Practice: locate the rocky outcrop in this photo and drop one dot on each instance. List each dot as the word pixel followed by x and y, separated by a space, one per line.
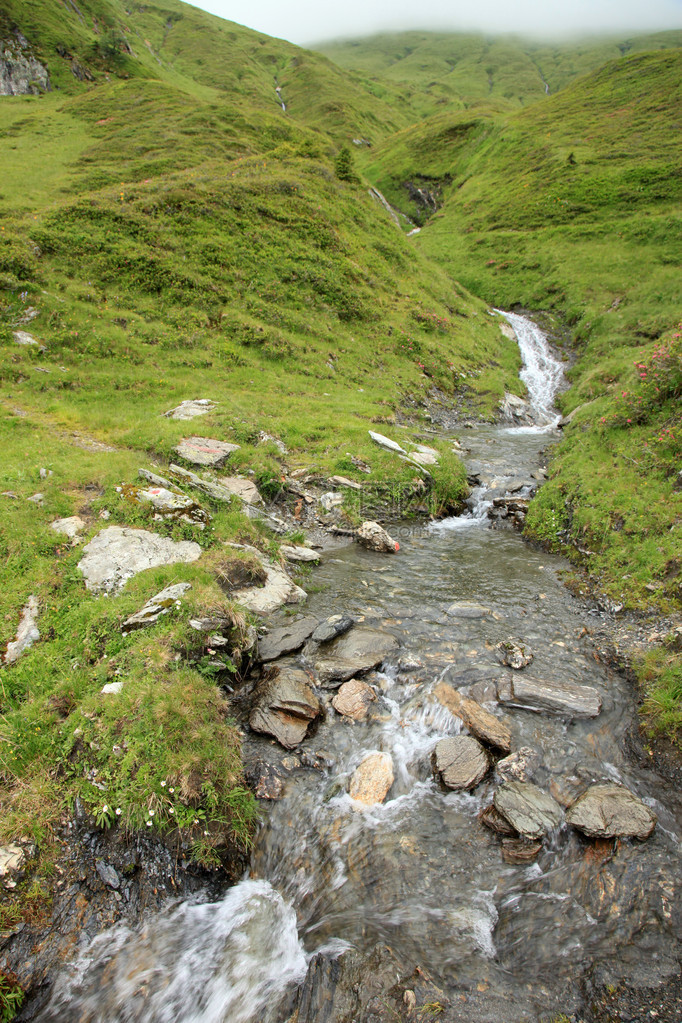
pixel 27 633
pixel 354 699
pixel 160 604
pixel 277 588
pixel 372 779
pixel 460 762
pixel 564 698
pixel 71 527
pixel 20 73
pixel 480 722
pixel 223 489
pixel 530 810
pixel 611 811
pixel 284 706
pixel 168 504
pixel 353 654
pixel 118 553
pixel 191 408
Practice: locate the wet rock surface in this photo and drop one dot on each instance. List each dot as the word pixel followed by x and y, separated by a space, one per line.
pixel 565 698
pixel 514 653
pixel 354 653
pixel 285 639
pixel 283 706
pixel 460 762
pixel 611 811
pixel 530 810
pixel 480 722
pixel 375 538
pixel 353 699
pixel 372 779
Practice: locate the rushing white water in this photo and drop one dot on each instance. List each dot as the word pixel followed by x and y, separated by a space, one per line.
pixel 222 962
pixel 542 373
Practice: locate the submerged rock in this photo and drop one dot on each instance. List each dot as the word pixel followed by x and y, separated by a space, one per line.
pixel 375 538
pixel 285 639
pixel 564 698
pixel 372 779
pixel 118 553
pixel 205 451
pixel 519 766
pixel 156 606
pixel 467 609
pixel 284 706
pixel 353 699
pixel 611 811
pixel 480 722
pixel 460 762
pixel 514 653
pixel 520 850
pixel 355 653
pixel 529 809
pixel 27 632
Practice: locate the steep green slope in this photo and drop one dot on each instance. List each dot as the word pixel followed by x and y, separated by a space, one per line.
pixel 432 70
pixel 167 233
pixel 573 206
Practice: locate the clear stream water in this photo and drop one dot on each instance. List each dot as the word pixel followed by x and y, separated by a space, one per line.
pixel 420 872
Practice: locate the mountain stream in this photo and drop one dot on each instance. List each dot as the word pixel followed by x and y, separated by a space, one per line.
pixel 419 872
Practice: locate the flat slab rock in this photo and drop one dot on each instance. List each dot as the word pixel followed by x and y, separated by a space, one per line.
pixel 529 809
pixel 353 699
pixel 611 811
pixel 460 762
pixel 480 722
pixel 205 451
pixel 372 779
pixel 278 588
pixel 224 489
pixel 191 408
pixel 565 698
pixel 284 706
pixel 118 553
pixel 158 605
pixel 354 653
pixel 286 639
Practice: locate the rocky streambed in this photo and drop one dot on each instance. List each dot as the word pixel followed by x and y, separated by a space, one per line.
pixel 455 827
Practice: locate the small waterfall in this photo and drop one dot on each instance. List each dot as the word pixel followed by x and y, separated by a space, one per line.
pixel 542 373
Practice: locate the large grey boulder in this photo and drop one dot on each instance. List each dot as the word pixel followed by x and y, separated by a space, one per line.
pixel 564 698
pixel 297 553
pixel 285 639
pixel 460 762
pixel 354 653
pixel 27 632
pixel 158 605
pixel 479 721
pixel 284 706
pixel 205 451
pixel 611 811
pixel 118 553
pixel 21 337
pixel 529 809
pixel 372 779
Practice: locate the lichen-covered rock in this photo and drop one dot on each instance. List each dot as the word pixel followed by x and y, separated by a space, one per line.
pixel 518 766
pixel 156 606
pixel 191 408
pixel 71 526
pixel 611 811
pixel 205 451
pixel 118 553
pixel 27 632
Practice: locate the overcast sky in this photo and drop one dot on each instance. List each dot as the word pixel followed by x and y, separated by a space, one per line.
pixel 310 21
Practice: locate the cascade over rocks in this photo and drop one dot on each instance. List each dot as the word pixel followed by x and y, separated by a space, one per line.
pixel 611 811
pixel 118 553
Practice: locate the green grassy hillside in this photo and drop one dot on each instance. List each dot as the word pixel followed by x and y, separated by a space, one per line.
pixel 432 71
pixel 573 207
pixel 169 232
